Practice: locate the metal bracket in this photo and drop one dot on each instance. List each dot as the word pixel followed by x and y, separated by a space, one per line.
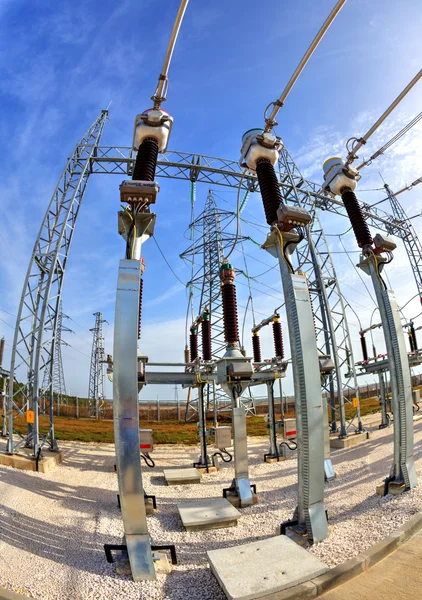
pixel 109 548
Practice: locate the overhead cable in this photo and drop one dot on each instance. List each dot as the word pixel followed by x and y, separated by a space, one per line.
pixel 270 121
pixel 162 86
pixel 393 140
pixel 359 142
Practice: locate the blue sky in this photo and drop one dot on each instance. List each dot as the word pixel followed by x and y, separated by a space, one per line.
pixel 62 62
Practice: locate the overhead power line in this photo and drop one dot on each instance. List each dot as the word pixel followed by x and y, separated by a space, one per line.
pixel 359 142
pixel 393 140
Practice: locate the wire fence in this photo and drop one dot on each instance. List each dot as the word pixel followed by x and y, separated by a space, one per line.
pixel 170 410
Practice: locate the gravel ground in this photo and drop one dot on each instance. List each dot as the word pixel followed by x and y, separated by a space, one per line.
pixel 53 526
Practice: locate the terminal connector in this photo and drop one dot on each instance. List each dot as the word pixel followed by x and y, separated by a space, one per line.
pixel 153 123
pixel 338 176
pixel 258 145
pixel 293 216
pixel 135 192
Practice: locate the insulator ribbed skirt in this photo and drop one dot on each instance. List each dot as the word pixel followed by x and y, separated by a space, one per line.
pixel 231 325
pixel 206 339
pixel 364 348
pixel 357 220
pixel 256 347
pixel 146 160
pixel 270 189
pixel 278 339
pixel 193 346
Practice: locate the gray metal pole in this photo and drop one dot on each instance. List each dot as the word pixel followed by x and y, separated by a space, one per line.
pixel 4 414
pixel 77 407
pixel 271 420
pixel 126 421
pixel 403 471
pixel 308 396
pixel 384 417
pixel 204 461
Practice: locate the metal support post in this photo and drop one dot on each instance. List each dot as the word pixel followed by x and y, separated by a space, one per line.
pixel 403 471
pixel 328 465
pixel 77 407
pixel 311 514
pixel 240 444
pixel 126 421
pixel 273 452
pixel 204 460
pixel 4 409
pixel 385 420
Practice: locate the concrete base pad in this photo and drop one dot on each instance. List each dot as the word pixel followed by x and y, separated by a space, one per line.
pixel 24 461
pixel 262 568
pixel 270 460
pixel 211 513
pixel 203 470
pixel 352 440
pixel 235 500
pixel 182 476
pixel 149 507
pixel 393 488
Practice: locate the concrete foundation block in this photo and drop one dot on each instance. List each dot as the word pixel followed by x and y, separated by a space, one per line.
pixel 353 439
pixel 235 500
pixel 161 562
pixel 203 470
pixel 270 460
pixel 265 569
pixel 182 476
pixel 339 574
pixel 27 463
pixel 211 513
pixel 149 507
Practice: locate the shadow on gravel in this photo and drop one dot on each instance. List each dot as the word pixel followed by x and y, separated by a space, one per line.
pixel 53 542
pixel 77 458
pixel 77 498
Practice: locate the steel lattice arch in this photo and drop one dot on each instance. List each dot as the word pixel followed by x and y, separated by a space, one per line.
pixel 35 338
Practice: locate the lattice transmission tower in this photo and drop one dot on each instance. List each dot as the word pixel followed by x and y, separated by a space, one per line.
pixel 34 346
pixel 409 237
pixel 206 254
pixel 54 384
pixel 96 389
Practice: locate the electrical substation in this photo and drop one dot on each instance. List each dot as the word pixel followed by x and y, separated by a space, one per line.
pixel 174 521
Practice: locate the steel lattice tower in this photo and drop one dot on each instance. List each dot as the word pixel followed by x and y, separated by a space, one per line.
pixel 34 347
pixel 411 241
pixel 57 379
pixel 96 389
pixel 211 242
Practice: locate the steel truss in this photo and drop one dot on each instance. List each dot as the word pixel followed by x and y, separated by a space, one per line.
pixel 409 237
pixel 34 346
pixel 212 240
